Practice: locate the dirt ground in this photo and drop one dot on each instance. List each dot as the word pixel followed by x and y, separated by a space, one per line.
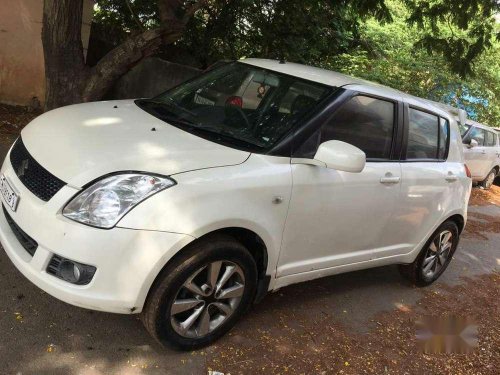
pixel 481 197
pixel 363 322
pixel 12 120
pixel 277 347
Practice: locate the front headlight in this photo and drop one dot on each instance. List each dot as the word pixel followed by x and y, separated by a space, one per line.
pixel 105 202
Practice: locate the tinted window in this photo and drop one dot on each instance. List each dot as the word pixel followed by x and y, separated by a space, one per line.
pixel 444 129
pixel 237 104
pixel 364 122
pixel 298 96
pixel 490 139
pixel 423 135
pixel 477 134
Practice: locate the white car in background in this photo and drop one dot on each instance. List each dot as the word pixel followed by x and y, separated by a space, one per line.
pixel 482 152
pixel 189 207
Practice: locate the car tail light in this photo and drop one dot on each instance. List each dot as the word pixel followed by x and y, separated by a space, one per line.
pixel 467 171
pixel 235 100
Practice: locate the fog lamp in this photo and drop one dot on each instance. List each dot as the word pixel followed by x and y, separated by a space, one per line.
pixel 70 271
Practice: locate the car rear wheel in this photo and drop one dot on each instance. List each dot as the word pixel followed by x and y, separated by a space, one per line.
pixel 201 294
pixel 488 181
pixel 434 257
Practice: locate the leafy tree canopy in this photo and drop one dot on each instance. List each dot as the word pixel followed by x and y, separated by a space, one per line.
pixel 311 30
pixel 460 30
pixel 429 48
pixel 394 61
pixel 299 30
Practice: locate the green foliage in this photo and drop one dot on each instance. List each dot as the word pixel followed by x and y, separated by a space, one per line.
pixel 115 15
pixel 272 28
pixel 393 60
pixel 299 30
pixel 459 30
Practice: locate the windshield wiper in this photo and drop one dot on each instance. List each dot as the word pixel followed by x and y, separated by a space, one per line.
pixel 221 134
pixel 169 103
pixel 169 115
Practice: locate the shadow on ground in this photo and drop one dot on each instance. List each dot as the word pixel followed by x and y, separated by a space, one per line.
pixel 42 335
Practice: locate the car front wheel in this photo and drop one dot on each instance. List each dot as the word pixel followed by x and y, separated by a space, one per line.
pixel 201 294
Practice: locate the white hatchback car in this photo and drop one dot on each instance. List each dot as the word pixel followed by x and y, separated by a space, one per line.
pixel 482 152
pixel 187 210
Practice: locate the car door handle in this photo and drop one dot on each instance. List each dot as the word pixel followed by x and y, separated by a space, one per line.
pixel 451 177
pixel 390 180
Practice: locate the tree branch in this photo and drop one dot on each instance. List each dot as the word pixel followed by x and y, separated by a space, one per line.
pixel 193 9
pixel 135 17
pixel 119 60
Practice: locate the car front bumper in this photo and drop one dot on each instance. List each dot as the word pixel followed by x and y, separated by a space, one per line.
pixel 127 260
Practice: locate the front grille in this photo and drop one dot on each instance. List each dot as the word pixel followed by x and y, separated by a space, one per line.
pixel 35 177
pixel 29 244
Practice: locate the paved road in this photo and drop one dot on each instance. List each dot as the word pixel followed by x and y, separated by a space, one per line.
pixel 41 335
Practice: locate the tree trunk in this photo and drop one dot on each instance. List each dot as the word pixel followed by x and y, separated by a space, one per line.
pixel 68 79
pixel 63 52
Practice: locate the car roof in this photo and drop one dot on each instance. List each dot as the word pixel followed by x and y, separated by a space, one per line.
pixel 331 78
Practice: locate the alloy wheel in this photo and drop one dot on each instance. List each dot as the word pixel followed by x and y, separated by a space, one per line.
pixel 437 254
pixel 207 299
pixel 489 180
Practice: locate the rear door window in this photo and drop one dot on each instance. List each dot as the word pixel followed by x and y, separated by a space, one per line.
pixel 489 139
pixel 423 135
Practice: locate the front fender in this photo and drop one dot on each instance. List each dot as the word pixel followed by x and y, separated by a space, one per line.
pixel 253 195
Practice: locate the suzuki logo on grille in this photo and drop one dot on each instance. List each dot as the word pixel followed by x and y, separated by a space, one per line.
pixel 22 168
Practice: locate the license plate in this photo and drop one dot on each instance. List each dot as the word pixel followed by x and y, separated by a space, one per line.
pixel 9 195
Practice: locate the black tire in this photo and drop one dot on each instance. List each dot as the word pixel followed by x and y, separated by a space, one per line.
pixel 157 309
pixel 414 272
pixel 489 180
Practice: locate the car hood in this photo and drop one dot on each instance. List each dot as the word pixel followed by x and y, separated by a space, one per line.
pixel 82 142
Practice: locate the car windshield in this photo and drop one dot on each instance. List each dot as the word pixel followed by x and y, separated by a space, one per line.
pixel 464 128
pixel 238 104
